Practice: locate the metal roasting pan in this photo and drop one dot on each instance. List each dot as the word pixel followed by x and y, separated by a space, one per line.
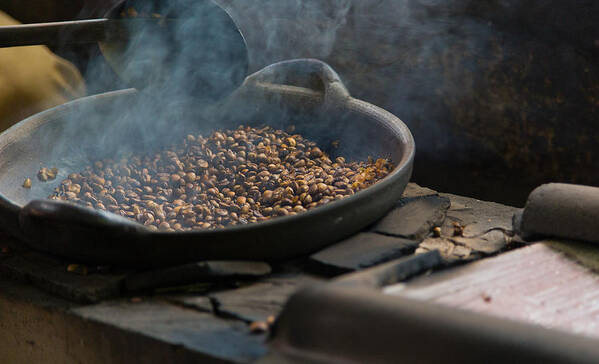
pixel 305 93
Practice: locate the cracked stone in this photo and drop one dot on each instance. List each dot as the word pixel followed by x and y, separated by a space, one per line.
pixel 363 250
pixel 50 274
pixel 489 243
pixel 208 271
pixel 414 217
pixel 392 272
pixel 466 248
pixel 486 229
pixel 414 190
pixel 475 216
pixel 450 251
pixel 255 302
pixel 219 340
pixel 200 303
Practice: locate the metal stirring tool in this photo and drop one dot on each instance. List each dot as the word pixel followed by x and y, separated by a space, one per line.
pixel 192 44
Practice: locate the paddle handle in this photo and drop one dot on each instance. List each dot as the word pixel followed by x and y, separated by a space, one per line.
pixel 55 33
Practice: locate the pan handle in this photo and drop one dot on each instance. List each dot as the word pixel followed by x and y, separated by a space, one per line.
pixel 280 77
pixel 73 31
pixel 54 226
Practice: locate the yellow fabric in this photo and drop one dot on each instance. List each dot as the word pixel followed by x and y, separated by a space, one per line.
pixel 33 79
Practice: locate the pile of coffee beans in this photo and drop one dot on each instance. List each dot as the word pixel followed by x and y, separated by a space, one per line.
pixel 231 177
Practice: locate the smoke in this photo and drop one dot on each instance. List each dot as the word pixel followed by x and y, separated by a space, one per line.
pixel 185 56
pixel 185 64
pixel 278 30
pixel 489 89
pixel 191 60
pixel 401 55
pixel 420 59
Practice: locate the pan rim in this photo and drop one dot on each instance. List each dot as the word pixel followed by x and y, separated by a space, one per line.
pixel 388 120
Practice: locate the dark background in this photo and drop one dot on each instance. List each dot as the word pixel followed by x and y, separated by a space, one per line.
pixel 501 96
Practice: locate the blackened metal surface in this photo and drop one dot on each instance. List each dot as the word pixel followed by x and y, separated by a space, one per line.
pixel 72 135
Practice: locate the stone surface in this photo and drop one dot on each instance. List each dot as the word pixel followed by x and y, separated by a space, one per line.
pixel 463 248
pixel 392 272
pixel 364 250
pixel 447 248
pixel 490 242
pixel 208 271
pixel 415 190
pixel 414 217
pixel 215 337
pixel 476 216
pixel 255 302
pixel 51 274
pixel 485 230
pixel 36 327
pixel 212 322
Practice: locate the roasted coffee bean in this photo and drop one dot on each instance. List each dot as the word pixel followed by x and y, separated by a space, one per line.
pixel 231 177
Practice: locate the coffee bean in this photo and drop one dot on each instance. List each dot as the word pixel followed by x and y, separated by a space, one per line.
pixel 231 177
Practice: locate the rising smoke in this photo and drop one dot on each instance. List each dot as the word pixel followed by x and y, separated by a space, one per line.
pixel 485 86
pixel 186 66
pixel 195 56
pixel 183 70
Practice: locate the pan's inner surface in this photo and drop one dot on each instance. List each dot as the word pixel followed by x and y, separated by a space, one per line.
pixel 75 135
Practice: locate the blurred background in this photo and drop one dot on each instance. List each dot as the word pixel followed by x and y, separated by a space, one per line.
pixel 501 95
